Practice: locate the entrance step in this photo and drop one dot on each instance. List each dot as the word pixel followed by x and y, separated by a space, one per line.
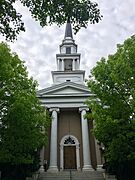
pixel 54 176
pixel 73 175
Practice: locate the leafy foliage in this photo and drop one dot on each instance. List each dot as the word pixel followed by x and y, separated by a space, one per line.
pixel 21 171
pixel 22 119
pixel 10 21
pixel 47 12
pixel 113 83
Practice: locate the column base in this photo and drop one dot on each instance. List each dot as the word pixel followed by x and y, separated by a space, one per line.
pixel 87 168
pixel 53 169
pixel 79 169
pixel 99 168
pixel 61 169
pixel 41 169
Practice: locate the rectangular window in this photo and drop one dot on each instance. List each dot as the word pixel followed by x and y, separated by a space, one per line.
pixel 68 50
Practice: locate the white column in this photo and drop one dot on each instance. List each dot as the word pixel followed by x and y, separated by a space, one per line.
pixel 62 64
pixel 78 66
pixel 58 65
pixel 42 160
pixel 73 64
pixel 53 145
pixel 85 141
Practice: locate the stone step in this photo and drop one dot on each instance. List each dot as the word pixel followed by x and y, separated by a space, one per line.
pixel 74 175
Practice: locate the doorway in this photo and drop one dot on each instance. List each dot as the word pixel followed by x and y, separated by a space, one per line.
pixel 69 153
pixel 70 157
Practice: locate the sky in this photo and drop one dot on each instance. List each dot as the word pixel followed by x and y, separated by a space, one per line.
pixel 38 46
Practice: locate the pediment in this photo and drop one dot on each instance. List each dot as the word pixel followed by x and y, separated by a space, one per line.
pixel 68 90
pixel 65 89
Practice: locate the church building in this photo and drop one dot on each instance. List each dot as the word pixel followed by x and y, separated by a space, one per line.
pixel 71 142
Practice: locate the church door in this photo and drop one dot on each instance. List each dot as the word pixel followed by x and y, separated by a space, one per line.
pixel 69 157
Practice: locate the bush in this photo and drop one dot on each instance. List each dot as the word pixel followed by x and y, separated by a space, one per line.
pixel 19 172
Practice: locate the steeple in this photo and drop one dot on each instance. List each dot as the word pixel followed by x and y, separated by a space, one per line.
pixel 68 45
pixel 68 60
pixel 68 31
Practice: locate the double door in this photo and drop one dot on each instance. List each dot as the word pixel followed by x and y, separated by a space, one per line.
pixel 70 157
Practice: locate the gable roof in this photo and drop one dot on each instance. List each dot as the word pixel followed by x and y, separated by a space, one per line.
pixel 66 88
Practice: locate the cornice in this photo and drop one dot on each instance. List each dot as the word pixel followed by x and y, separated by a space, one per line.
pixel 67 55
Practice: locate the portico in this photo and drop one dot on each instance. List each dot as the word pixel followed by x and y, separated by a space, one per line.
pixel 68 136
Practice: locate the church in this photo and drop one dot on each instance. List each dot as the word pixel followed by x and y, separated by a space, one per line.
pixel 71 145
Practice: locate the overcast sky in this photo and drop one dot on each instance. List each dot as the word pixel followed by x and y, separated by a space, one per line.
pixel 38 46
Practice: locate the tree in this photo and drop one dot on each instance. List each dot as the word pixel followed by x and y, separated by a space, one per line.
pixel 113 108
pixel 47 12
pixel 22 119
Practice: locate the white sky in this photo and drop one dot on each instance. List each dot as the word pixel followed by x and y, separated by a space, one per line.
pixel 38 46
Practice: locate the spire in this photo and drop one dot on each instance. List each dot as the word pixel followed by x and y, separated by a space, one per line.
pixel 68 32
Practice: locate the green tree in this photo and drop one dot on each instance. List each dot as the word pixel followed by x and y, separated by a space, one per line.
pixel 22 119
pixel 47 12
pixel 113 108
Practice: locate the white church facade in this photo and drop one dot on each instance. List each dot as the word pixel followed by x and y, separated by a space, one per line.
pixel 71 143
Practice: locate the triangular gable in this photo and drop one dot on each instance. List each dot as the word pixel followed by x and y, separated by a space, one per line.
pixel 64 88
pixel 68 90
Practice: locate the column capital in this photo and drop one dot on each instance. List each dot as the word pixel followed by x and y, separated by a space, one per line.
pixel 83 108
pixel 54 109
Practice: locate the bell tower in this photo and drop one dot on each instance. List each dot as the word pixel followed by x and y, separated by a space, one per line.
pixel 68 61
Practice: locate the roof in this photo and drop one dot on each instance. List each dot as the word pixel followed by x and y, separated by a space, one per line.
pixel 64 95
pixel 65 89
pixel 68 31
